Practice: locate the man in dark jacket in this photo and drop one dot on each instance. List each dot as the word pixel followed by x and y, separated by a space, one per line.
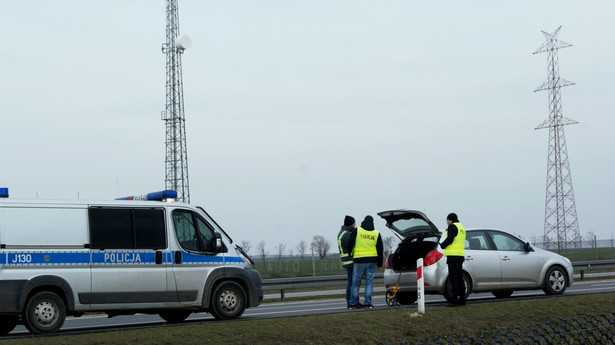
pixel 344 245
pixel 454 249
pixel 367 254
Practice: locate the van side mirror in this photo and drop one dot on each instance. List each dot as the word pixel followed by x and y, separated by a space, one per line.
pixel 220 246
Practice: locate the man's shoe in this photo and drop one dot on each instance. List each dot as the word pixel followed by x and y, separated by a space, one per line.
pixel 368 306
pixel 354 307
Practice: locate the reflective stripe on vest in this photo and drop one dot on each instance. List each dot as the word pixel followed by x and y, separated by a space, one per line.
pixel 365 244
pixel 345 257
pixel 457 247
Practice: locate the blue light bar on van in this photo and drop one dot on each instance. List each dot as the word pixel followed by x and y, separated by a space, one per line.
pixel 4 192
pixel 163 195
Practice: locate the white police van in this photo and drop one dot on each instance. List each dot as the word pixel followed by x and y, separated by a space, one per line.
pixel 60 258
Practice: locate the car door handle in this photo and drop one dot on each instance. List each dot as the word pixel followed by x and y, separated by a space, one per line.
pixel 469 258
pixel 506 258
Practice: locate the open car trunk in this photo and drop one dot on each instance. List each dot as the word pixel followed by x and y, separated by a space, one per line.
pixel 409 250
pixel 419 236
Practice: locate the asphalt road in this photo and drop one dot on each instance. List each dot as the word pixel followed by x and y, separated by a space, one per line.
pixel 90 323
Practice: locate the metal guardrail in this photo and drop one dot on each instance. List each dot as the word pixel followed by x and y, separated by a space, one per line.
pixel 592 265
pixel 282 284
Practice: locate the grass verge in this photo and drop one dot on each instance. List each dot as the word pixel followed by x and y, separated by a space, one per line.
pixel 365 327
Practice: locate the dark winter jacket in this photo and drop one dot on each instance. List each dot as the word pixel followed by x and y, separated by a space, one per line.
pixel 346 247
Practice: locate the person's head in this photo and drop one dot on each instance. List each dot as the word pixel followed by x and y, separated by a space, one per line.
pixel 451 218
pixel 349 221
pixel 368 223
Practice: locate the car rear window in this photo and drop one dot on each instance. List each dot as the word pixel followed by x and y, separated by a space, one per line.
pixel 416 226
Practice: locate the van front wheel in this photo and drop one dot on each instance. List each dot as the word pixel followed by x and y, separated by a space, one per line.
pixel 45 313
pixel 228 301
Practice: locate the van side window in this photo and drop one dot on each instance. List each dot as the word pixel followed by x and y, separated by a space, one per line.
pixel 193 233
pixel 149 228
pixel 126 228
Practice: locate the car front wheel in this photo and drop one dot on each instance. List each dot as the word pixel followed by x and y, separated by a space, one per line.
pixel 555 281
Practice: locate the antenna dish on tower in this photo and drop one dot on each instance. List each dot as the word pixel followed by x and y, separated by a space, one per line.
pixel 184 42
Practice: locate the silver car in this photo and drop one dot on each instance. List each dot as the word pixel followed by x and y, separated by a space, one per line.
pixel 495 261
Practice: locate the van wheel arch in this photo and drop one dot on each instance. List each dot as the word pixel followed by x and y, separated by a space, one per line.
pixel 54 284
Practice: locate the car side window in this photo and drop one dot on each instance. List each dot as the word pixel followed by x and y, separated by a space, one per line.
pixel 507 242
pixel 476 241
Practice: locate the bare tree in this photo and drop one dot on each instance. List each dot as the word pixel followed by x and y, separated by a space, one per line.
pixel 260 248
pixel 280 248
pixel 301 247
pixel 589 237
pixel 245 245
pixel 321 245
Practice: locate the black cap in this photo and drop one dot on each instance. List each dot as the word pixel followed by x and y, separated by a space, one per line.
pixel 368 223
pixel 348 221
pixel 452 217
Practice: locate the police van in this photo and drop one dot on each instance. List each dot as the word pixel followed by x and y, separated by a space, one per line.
pixel 144 254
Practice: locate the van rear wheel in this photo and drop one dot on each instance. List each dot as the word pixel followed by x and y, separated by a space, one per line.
pixel 175 316
pixel 8 323
pixel 45 313
pixel 228 301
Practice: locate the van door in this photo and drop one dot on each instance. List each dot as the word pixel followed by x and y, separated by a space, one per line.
pixel 128 251
pixel 195 256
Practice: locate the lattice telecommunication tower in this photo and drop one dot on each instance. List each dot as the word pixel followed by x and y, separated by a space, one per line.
pixel 560 209
pixel 176 159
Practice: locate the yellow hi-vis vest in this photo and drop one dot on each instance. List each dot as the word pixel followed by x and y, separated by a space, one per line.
pixel 365 244
pixel 345 257
pixel 457 247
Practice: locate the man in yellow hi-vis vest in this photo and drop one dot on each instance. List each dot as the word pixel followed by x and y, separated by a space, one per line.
pixel 453 246
pixel 367 254
pixel 344 245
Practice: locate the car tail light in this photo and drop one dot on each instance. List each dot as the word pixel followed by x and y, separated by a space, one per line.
pixel 386 263
pixel 432 257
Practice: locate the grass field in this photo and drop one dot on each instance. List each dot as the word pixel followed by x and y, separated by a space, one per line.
pixel 355 327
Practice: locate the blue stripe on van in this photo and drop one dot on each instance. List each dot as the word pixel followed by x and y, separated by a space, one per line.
pixel 127 257
pixel 46 258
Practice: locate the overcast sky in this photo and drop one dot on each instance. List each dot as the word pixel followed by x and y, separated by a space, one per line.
pixel 300 112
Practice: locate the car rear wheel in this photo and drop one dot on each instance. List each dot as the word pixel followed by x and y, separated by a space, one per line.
pixel 228 301
pixel 8 323
pixel 405 298
pixel 45 313
pixel 555 281
pixel 502 294
pixel 448 291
